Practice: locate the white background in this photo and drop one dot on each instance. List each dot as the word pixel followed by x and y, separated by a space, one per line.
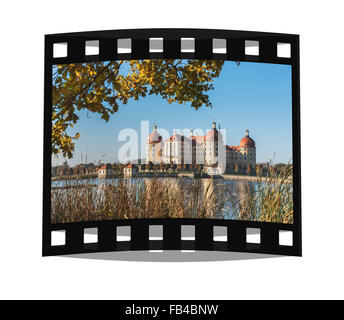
pixel 25 274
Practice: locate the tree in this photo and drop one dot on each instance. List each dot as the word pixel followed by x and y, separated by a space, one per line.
pixel 248 169
pixel 99 87
pixel 236 168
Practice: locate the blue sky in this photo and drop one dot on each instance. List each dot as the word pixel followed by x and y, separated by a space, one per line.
pixel 253 96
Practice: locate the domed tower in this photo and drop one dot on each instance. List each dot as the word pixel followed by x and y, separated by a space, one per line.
pixel 154 146
pixel 248 150
pixel 211 145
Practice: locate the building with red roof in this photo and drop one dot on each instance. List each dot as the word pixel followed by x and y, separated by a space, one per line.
pixel 105 171
pixel 243 154
pixel 130 170
pixel 208 150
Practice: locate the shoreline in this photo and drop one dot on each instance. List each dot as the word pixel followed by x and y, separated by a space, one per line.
pixel 179 175
pixel 244 178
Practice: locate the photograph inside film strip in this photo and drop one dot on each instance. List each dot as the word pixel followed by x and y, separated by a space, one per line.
pixel 161 140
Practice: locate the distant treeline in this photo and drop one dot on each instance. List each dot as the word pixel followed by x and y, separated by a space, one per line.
pixel 90 170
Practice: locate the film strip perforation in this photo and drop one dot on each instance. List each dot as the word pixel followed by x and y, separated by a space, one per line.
pixel 126 235
pixel 255 49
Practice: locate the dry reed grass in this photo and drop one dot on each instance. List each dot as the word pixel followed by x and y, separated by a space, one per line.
pixel 129 199
pixel 271 199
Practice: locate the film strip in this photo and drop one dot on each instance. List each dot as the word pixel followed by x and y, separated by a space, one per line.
pixel 202 233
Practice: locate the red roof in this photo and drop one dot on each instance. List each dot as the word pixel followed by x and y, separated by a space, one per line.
pixel 199 139
pixel 234 148
pixel 130 165
pixel 175 138
pixel 212 135
pixel 247 142
pixel 105 166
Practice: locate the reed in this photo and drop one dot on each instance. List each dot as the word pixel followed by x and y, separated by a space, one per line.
pixel 131 199
pixel 270 201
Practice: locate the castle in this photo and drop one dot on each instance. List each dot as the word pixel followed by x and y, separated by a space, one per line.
pixel 208 150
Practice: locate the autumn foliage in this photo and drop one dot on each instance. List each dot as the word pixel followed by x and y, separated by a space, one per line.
pixel 100 87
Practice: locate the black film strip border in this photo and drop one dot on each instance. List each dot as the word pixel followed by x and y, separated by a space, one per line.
pixel 235 51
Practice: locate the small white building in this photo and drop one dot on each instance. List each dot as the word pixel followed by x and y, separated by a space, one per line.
pixel 130 170
pixel 105 172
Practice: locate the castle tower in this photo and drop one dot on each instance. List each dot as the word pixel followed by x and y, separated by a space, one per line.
pixel 211 142
pixel 248 150
pixel 154 147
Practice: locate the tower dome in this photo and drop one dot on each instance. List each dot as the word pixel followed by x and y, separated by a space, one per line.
pixel 154 137
pixel 212 134
pixel 247 141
